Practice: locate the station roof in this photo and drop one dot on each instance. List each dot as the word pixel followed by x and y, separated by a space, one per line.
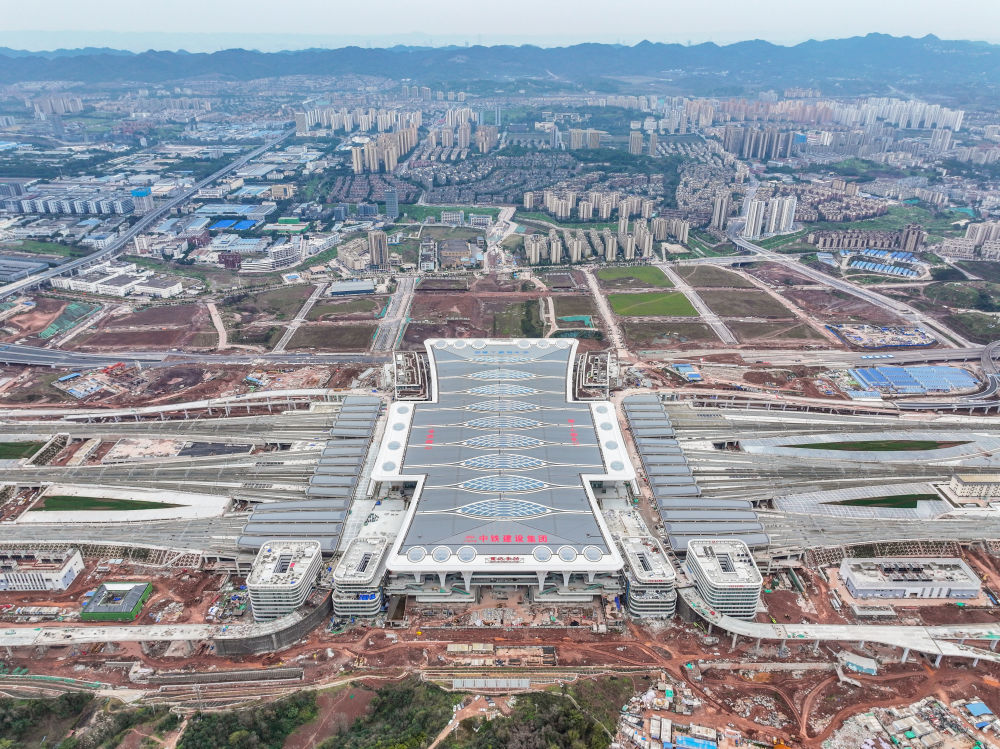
pixel 503 451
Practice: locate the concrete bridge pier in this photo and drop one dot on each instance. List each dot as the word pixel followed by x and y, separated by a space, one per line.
pixel 906 654
pixel 816 647
pixel 757 647
pixel 734 641
pixel 937 661
pixel 993 645
pixel 975 662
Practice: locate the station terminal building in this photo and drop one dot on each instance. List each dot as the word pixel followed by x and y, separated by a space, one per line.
pixel 505 479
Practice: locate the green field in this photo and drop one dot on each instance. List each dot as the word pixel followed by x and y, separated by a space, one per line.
pixel 16 450
pixel 419 212
pixel 574 305
pixel 987 270
pixel 879 445
pixel 749 303
pixel 281 303
pixel 635 277
pixel 356 306
pixel 333 337
pixel 654 335
pixel 895 501
pixel 798 331
pixel 652 304
pixel 975 326
pixel 47 248
pixel 65 503
pixel 518 319
pixel 708 276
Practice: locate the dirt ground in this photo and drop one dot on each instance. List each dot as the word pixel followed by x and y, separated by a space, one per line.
pixel 776 274
pixel 36 320
pixel 834 306
pixel 182 326
pixel 338 709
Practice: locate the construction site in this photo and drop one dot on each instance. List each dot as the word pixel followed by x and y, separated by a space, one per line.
pixel 440 525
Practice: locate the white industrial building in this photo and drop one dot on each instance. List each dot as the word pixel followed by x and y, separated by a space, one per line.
pixel 909 577
pixel 725 575
pixel 23 569
pixel 357 578
pixel 282 577
pixel 975 484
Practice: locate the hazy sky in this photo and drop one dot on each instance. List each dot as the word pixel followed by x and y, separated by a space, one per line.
pixel 206 25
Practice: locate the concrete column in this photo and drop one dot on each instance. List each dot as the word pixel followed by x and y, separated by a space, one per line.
pixel 710 627
pixel 542 574
pixel 442 576
pixel 734 640
pixel 467 578
pixel 937 661
pixel 565 577
pixel 962 641
pixel 816 647
pixel 861 644
pixel 993 645
pixel 781 648
pixel 590 576
pixel 419 577
pixel 757 647
pixel 975 662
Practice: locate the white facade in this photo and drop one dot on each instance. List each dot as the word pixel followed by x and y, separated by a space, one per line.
pixel 650 580
pixel 357 579
pixel 282 577
pixel 39 570
pixel 909 577
pixel 725 575
pixel 975 485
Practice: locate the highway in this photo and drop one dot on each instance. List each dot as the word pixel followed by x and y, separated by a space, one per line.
pixel 905 311
pixel 141 225
pixel 297 321
pixel 706 314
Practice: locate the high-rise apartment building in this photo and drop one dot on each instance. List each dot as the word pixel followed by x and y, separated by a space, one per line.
pixel 391 203
pixel 378 249
pixel 721 207
pixel 635 143
pixel 755 219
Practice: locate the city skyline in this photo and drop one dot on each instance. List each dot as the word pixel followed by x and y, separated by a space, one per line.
pixel 274 28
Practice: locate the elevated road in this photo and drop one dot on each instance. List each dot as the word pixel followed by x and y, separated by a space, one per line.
pixel 138 227
pixel 937 641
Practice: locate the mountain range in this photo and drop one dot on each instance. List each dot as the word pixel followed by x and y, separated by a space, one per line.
pixel 875 63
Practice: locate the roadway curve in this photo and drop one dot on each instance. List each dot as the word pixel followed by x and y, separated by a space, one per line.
pixel 931 640
pixel 143 223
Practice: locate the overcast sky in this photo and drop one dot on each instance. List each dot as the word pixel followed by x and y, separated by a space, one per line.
pixel 208 25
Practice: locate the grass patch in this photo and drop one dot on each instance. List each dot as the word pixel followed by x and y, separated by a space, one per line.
pixel 409 714
pixel 359 306
pixel 419 212
pixel 653 304
pixel 987 270
pixel 751 303
pixel 746 331
pixel 17 450
pixel 66 503
pixel 708 276
pixel 281 303
pixel 975 326
pixel 47 248
pixel 896 501
pixel 539 216
pixel 873 446
pixel 638 276
pixel 574 305
pixel 266 336
pixel 654 335
pixel 333 337
pixel 517 320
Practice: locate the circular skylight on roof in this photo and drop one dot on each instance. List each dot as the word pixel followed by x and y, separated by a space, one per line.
pixel 507 509
pixel 402 409
pixel 399 426
pixel 497 461
pixel 394 445
pixel 592 554
pixel 601 409
pixel 611 445
pixel 466 554
pixel 479 343
pixel 416 554
pixel 441 554
pixel 388 466
pixel 439 344
pixel 502 422
pixel 562 344
pixel 542 553
pixel 500 374
pixel 605 425
pixel 502 483
pixel 458 344
pixel 502 388
pixel 502 405
pixel 503 440
pixel 523 343
pixel 567 553
pixel 616 465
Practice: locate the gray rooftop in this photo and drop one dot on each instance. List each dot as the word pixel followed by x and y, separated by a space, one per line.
pixel 503 451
